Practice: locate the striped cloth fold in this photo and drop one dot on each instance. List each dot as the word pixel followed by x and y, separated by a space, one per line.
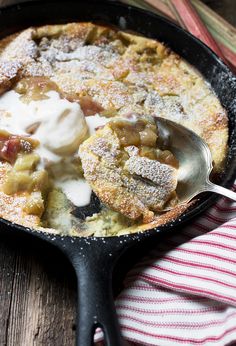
pixel 184 291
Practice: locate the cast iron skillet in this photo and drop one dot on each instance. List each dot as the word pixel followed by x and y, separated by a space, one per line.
pixel 93 258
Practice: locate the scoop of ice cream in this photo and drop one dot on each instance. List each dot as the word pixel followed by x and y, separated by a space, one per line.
pixel 57 123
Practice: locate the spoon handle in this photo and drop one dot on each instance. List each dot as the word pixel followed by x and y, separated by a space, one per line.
pixel 221 190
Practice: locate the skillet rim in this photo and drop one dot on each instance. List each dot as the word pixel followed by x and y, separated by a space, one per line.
pixel 199 205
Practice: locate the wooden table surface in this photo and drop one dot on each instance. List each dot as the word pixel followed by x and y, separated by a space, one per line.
pixel 37 284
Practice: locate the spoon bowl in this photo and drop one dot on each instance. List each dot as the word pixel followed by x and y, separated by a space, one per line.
pixel 195 160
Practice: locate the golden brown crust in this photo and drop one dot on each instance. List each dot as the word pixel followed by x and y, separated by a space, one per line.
pixel 122 73
pixel 12 206
pixel 9 74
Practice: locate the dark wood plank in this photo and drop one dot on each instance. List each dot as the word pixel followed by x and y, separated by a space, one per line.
pixel 37 305
pixel 7 273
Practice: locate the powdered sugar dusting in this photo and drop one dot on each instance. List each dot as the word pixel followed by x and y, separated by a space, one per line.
pixel 124 77
pixel 162 175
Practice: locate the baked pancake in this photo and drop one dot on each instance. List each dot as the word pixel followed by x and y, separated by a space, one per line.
pixel 63 87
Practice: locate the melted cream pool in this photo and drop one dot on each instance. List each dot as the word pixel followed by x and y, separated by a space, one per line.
pixel 60 126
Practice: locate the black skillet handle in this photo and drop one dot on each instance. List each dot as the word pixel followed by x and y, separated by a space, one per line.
pixel 93 261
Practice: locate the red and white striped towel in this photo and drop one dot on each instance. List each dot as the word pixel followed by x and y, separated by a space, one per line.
pixel 184 292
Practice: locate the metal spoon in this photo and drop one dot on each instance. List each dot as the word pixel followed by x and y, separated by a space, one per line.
pixel 195 160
